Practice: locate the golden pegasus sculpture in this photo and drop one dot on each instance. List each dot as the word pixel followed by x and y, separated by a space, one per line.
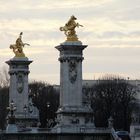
pixel 69 29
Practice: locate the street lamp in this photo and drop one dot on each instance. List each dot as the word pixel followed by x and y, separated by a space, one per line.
pixel 110 122
pixel 12 108
pixel 25 110
pixel 48 105
pixel 11 127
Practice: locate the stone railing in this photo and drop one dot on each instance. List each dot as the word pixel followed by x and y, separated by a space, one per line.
pixel 55 136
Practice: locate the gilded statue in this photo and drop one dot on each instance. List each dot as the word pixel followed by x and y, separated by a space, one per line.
pixel 18 46
pixel 69 29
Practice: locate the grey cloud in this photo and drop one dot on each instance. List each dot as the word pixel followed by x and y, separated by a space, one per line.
pixel 117 10
pixel 108 51
pixel 112 60
pixel 113 34
pixel 117 34
pixel 43 34
pixel 135 34
pixel 97 57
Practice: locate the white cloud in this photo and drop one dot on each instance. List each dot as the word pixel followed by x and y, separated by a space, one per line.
pixel 29 24
pixel 111 29
pixel 49 4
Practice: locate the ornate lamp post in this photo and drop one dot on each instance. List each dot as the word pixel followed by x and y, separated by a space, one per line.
pixel 110 122
pixel 25 110
pixel 48 105
pixel 11 108
pixel 11 127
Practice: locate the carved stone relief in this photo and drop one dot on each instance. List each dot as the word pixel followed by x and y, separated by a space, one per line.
pixel 20 83
pixel 72 71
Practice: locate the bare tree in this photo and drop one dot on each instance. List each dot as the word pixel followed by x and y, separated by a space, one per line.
pixel 46 99
pixel 113 96
pixel 4 95
pixel 4 77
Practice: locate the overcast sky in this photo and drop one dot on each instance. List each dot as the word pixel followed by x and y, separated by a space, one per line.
pixel 111 31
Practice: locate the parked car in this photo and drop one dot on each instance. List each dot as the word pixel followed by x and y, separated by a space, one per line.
pixel 124 135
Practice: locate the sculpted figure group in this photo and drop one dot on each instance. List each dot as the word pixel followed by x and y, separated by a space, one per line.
pixel 18 47
pixel 69 29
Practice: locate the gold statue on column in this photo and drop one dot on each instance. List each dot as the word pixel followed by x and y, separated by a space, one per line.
pixel 69 29
pixel 18 47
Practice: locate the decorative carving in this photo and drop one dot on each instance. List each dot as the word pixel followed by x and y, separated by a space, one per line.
pixel 74 119
pixel 72 71
pixel 18 47
pixel 20 83
pixel 69 29
pixel 77 59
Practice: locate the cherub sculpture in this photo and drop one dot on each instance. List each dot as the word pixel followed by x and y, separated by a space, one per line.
pixel 18 47
pixel 69 29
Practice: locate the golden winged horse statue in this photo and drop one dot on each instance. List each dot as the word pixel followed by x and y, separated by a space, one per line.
pixel 69 29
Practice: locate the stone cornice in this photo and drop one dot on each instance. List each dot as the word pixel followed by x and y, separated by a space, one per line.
pixel 67 59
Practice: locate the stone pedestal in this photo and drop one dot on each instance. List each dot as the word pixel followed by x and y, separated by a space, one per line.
pixel 18 91
pixel 72 115
pixel 11 127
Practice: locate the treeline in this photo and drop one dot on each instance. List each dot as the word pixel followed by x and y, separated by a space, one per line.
pixel 46 98
pixel 4 96
pixel 4 103
pixel 112 97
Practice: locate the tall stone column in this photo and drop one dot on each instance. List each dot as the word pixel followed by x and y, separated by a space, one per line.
pixel 72 115
pixel 18 91
pixel 71 75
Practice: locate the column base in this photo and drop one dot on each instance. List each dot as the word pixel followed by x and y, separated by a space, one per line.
pixel 11 128
pixel 71 128
pixel 74 119
pixel 26 122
